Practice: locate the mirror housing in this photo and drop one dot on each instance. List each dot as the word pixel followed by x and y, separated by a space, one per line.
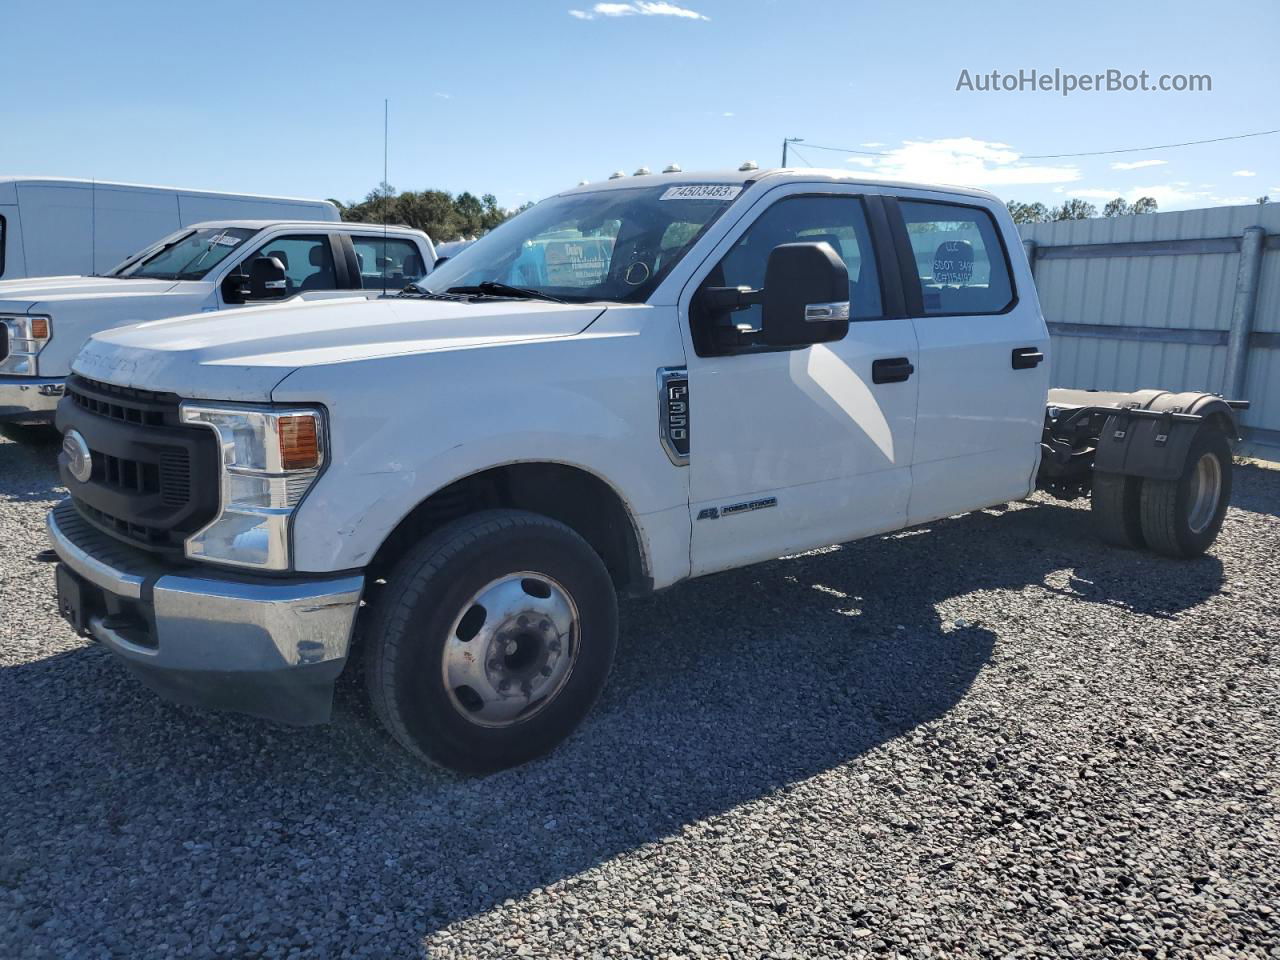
pixel 806 296
pixel 235 288
pixel 267 279
pixel 439 261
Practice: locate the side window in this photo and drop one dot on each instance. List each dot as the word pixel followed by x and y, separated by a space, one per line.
pixel 839 221
pixel 387 264
pixel 959 257
pixel 308 262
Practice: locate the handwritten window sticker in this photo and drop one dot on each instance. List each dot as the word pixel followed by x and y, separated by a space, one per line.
pixel 702 191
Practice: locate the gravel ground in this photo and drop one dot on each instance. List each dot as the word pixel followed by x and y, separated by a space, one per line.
pixel 997 739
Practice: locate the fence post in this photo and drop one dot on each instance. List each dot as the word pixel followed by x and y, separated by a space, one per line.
pixel 1242 310
pixel 1030 247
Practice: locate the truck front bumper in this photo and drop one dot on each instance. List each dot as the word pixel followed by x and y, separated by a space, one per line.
pixel 267 647
pixel 30 399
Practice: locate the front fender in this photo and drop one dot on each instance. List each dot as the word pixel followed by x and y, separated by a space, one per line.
pixel 402 428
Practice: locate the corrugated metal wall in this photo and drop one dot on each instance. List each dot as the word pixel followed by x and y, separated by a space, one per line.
pixel 1127 311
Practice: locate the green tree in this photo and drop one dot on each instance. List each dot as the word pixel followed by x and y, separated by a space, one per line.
pixel 1119 207
pixel 1144 205
pixel 1074 209
pixel 440 214
pixel 1028 212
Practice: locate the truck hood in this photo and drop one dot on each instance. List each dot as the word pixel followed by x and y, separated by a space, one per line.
pixel 243 354
pixel 32 290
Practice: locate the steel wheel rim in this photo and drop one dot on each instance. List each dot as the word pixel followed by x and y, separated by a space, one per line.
pixel 1206 489
pixel 511 649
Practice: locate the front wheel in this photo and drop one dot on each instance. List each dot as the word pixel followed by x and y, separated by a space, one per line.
pixel 1182 517
pixel 492 641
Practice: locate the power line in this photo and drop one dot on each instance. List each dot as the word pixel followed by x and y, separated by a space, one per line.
pixel 1083 153
pixel 1162 146
pixel 801 155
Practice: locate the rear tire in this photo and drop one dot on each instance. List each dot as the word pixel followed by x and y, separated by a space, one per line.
pixel 491 641
pixel 1182 517
pixel 1116 504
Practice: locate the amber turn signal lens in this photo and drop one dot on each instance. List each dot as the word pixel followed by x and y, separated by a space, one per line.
pixel 299 445
pixel 40 328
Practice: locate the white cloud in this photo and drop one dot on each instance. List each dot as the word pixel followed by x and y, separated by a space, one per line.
pixel 1243 173
pixel 965 161
pixel 643 8
pixel 443 96
pixel 727 113
pixel 1136 164
pixel 860 161
pixel 873 144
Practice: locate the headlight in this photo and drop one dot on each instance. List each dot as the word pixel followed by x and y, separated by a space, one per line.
pixel 268 459
pixel 24 338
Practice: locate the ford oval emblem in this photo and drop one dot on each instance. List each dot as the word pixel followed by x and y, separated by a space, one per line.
pixel 79 459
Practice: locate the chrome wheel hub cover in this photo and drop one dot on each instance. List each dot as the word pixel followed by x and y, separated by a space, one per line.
pixel 511 649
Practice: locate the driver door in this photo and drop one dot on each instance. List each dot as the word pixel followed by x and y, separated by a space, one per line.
pixel 793 448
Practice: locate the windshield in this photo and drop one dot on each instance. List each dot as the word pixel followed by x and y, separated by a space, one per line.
pixel 186 256
pixel 603 245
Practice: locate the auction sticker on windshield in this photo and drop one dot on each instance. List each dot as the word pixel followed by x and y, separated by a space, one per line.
pixel 224 240
pixel 702 191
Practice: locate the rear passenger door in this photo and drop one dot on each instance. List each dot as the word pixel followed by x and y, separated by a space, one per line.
pixel 983 376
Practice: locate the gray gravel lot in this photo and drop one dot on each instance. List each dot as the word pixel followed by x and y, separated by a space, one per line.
pixel 995 738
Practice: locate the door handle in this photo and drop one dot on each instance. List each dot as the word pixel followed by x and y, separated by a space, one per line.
pixel 1024 358
pixel 891 370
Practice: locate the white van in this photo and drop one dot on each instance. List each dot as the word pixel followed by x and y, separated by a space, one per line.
pixel 51 226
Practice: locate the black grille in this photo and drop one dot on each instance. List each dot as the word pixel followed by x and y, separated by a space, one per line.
pixel 154 479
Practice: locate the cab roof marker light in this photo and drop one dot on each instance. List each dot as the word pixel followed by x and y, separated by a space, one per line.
pixel 749 165
pixel 617 175
pixel 642 172
pixel 672 168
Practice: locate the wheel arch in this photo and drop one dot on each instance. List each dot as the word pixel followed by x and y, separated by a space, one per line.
pixel 567 492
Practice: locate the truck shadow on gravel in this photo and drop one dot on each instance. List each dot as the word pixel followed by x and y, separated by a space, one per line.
pixel 726 689
pixel 29 467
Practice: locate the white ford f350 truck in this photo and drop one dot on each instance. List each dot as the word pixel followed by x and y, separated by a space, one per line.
pixel 205 267
pixel 628 385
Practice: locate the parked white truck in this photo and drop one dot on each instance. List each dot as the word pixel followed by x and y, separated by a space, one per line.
pixel 630 384
pixel 205 267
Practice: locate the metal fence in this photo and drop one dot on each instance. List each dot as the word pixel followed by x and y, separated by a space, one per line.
pixel 1183 301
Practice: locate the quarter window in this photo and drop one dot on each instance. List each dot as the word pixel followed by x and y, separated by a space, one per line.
pixel 959 258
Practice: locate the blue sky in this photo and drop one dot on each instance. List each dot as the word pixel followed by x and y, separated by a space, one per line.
pixel 524 98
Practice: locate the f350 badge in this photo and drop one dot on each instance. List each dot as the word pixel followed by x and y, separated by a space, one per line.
pixel 673 413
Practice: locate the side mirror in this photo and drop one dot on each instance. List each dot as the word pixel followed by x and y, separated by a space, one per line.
pixel 806 296
pixel 235 288
pixel 439 260
pixel 267 279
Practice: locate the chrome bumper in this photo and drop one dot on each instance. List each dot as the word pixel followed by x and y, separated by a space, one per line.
pixel 30 399
pixel 266 647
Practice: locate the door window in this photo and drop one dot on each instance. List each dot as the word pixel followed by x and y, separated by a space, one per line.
pixel 388 264
pixel 837 220
pixel 959 258
pixel 307 261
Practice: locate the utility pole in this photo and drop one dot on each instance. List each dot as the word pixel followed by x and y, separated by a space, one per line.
pixel 787 140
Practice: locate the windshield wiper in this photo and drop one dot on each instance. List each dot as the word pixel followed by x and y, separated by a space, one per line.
pixel 492 288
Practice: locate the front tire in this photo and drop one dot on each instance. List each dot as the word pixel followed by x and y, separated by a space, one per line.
pixel 1182 517
pixel 491 641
